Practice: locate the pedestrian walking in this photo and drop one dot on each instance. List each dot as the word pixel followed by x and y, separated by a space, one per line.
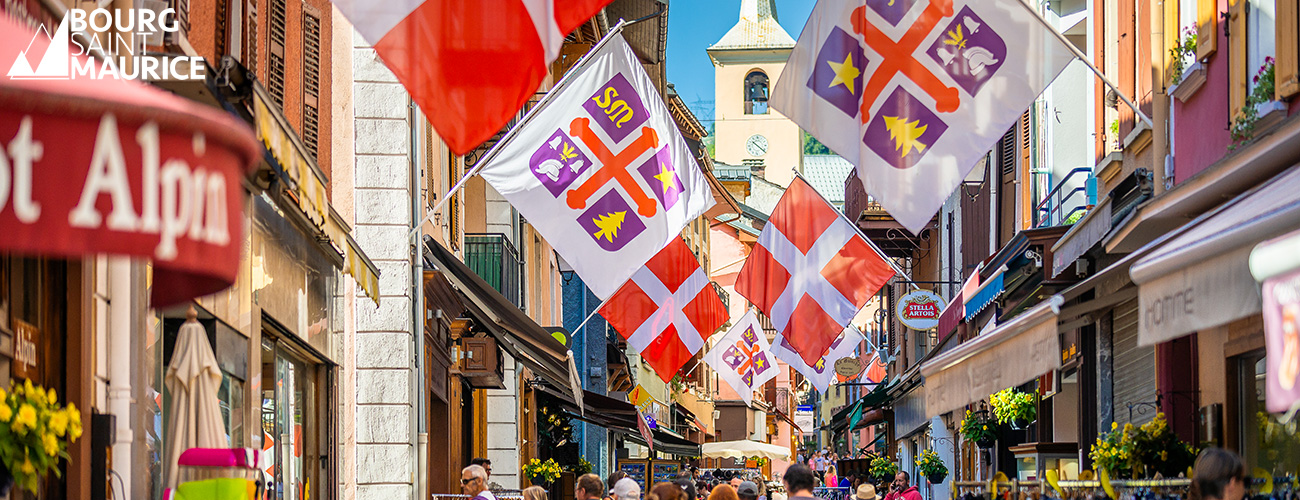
pixel 901 488
pixel 535 493
pixel 625 489
pixel 865 492
pixel 666 491
pixel 613 479
pixel 588 487
pixel 473 483
pixel 748 490
pixel 831 479
pixel 1219 474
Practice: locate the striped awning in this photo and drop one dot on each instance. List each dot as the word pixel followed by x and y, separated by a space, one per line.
pixel 986 294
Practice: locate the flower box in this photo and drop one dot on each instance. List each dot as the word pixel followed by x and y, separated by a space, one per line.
pixel 1270 113
pixel 1193 79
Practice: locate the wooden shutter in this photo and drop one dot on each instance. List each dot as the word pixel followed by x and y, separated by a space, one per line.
pixel 1287 68
pixel 222 37
pixel 1238 77
pixel 1025 197
pixel 275 57
pixel 182 8
pixel 453 212
pixel 1207 27
pixel 310 77
pixel 1127 63
pixel 250 36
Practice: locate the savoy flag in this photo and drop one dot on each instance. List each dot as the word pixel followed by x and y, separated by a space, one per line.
pixel 601 170
pixel 820 373
pixel 742 357
pixel 915 92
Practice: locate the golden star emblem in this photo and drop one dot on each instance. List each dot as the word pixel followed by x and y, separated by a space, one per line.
pixel 845 73
pixel 665 176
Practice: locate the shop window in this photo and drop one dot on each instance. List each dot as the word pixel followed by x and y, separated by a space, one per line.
pixel 295 429
pixel 755 91
pixel 1263 440
pixel 1261 44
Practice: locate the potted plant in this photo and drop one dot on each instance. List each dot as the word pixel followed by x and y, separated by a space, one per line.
pixel 580 468
pixel 1259 104
pixel 977 427
pixel 931 466
pixel 883 469
pixel 1138 452
pixel 35 432
pixel 542 473
pixel 1015 408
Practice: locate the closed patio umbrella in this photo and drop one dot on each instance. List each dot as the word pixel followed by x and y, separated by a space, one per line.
pixel 193 378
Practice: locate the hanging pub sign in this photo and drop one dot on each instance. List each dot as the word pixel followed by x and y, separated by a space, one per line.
pixel 1282 341
pixel 919 310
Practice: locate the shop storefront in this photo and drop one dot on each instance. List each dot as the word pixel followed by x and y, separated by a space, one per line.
pixel 1197 288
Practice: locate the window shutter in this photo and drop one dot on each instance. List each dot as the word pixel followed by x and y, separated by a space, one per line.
pixel 310 77
pixel 222 38
pixel 250 37
pixel 1207 27
pixel 1024 197
pixel 275 58
pixel 1238 79
pixel 1007 152
pixel 182 8
pixel 1287 68
pixel 453 212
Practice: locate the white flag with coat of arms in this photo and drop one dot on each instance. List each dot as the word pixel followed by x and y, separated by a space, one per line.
pixel 915 92
pixel 601 170
pixel 822 374
pixel 742 357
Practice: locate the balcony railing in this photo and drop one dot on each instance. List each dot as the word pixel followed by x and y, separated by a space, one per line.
pixel 495 260
pixel 722 294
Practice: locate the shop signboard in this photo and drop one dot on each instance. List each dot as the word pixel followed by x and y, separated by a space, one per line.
pixel 1282 341
pixel 919 310
pixel 635 470
pixel 25 351
pixel 803 418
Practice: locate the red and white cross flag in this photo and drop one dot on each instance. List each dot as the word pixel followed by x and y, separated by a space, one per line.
pixel 469 64
pixel 601 170
pixel 667 310
pixel 914 92
pixel 811 271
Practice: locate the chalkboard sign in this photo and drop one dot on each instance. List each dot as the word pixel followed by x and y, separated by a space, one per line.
pixel 636 471
pixel 666 472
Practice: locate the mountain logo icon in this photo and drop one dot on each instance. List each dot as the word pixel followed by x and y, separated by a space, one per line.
pixel 56 62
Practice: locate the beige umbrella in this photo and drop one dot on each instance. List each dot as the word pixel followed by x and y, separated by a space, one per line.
pixel 193 378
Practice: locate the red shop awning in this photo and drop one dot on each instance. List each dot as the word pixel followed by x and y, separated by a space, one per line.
pixel 90 166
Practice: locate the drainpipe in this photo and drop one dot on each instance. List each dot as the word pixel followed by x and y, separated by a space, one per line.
pixel 1160 99
pixel 419 435
pixel 119 367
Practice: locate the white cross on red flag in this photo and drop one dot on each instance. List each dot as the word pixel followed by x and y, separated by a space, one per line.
pixel 811 271
pixel 667 309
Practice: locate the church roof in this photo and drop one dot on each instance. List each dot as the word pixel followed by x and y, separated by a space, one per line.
pixel 757 29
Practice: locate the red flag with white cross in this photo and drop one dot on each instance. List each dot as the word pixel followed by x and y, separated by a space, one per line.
pixel 811 271
pixel 667 309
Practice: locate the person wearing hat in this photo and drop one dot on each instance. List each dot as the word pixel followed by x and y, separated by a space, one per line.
pixel 865 492
pixel 747 490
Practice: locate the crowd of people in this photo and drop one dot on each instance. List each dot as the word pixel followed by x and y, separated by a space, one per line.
pixel 1218 475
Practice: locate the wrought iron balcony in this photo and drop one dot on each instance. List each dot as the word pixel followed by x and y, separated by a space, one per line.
pixel 722 294
pixel 495 260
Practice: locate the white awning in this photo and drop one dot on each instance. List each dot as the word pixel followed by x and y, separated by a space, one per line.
pixel 1011 354
pixel 744 449
pixel 1201 279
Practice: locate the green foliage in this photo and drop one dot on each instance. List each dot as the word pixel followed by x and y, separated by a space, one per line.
pixel 1180 51
pixel 929 464
pixel 977 427
pixel 1074 217
pixel 580 468
pixel 812 146
pixel 1136 452
pixel 35 432
pixel 1012 405
pixel 1243 126
pixel 882 467
pixel 547 471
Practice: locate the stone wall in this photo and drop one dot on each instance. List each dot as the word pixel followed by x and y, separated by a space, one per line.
pixel 384 454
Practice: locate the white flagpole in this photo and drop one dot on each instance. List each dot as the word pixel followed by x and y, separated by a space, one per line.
pixel 491 153
pixel 1083 57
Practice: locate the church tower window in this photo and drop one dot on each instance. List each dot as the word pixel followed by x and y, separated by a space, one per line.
pixel 756 93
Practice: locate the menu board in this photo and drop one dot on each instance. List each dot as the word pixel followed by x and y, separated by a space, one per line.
pixel 636 471
pixel 666 472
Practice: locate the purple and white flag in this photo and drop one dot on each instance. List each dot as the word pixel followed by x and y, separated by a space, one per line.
pixel 821 374
pixel 601 170
pixel 742 357
pixel 915 92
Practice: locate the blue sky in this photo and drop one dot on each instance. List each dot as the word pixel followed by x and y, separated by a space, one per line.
pixel 694 25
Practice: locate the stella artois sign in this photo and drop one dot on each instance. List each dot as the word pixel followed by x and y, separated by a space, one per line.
pixel 920 309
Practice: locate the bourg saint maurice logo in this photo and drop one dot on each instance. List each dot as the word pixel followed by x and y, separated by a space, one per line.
pixel 120 42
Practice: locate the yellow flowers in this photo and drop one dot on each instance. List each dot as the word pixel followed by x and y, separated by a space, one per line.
pixel 1012 405
pixel 36 432
pixel 26 419
pixel 547 471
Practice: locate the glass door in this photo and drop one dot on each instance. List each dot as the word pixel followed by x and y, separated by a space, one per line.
pixel 294 432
